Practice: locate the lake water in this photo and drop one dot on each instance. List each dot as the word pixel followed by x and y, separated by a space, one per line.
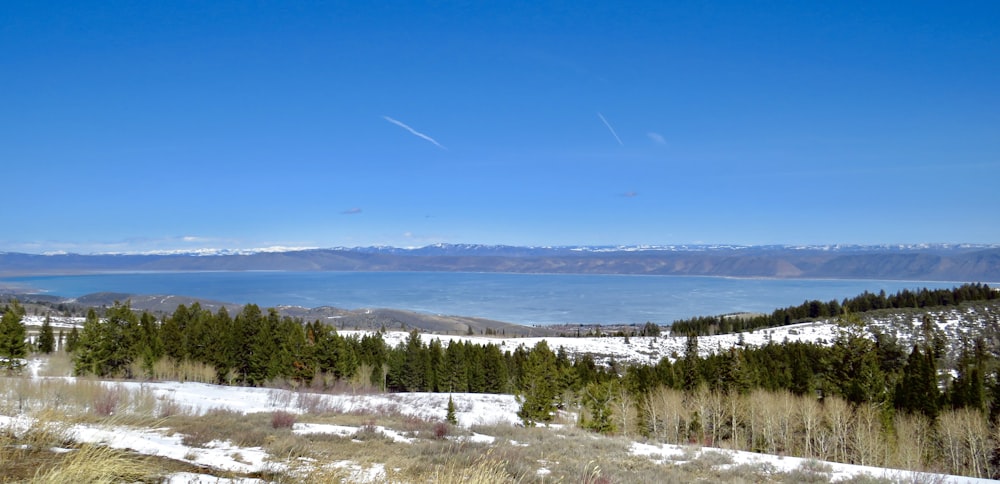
pixel 516 298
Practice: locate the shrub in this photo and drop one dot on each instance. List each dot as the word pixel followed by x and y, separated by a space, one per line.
pixel 282 420
pixel 441 430
pixel 106 401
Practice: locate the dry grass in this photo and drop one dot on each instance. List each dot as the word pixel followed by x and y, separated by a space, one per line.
pixel 485 470
pixel 59 363
pixel 438 454
pixel 167 369
pixel 96 464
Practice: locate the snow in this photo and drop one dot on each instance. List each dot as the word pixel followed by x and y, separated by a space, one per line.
pixel 471 409
pixel 56 322
pixel 837 471
pixel 637 349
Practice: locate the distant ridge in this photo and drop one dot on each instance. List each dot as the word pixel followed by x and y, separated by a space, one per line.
pixel 931 262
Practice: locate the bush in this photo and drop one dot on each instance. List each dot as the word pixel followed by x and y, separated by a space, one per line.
pixel 106 401
pixel 441 430
pixel 282 420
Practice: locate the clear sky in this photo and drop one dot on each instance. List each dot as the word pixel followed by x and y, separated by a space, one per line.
pixel 130 126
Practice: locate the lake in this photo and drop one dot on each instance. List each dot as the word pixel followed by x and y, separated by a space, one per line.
pixel 516 298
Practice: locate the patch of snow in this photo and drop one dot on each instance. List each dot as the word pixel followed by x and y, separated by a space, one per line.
pixel 675 454
pixel 192 478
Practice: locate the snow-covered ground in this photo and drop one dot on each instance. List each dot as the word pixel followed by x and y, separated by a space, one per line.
pixel 472 410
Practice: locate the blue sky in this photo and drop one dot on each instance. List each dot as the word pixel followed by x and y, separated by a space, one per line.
pixel 131 126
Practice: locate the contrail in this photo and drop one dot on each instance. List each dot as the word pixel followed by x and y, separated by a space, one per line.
pixel 414 132
pixel 606 123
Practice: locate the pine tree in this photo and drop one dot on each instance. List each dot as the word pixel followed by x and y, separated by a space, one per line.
pixel 690 363
pixel 414 364
pixel 454 376
pixel 226 345
pixel 109 347
pixel 72 340
pixel 494 370
pixel 539 388
pixel 450 414
pixel 249 324
pixel 198 337
pixel 46 338
pixel 13 345
pixel 597 397
pixel 150 345
pixel 172 333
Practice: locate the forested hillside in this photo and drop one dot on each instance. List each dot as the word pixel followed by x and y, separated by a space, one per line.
pixel 866 396
pixel 813 310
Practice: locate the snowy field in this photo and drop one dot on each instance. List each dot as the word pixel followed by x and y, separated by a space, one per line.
pixel 473 410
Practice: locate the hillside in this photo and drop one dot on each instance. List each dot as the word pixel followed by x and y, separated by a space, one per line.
pixel 913 262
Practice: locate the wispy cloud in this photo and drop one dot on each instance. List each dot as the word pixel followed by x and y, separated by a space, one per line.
pixel 613 133
pixel 351 211
pixel 657 138
pixel 414 132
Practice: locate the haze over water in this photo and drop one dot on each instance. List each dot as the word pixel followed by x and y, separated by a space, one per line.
pixel 517 298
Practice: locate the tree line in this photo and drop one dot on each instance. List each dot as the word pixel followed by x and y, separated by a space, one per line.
pixel 811 310
pixel 865 383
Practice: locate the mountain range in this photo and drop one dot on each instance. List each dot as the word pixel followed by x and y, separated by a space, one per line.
pixel 930 262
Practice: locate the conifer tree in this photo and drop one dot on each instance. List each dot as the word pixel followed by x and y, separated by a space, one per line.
pixel 109 347
pixel 13 345
pixel 199 337
pixel 249 364
pixel 597 397
pixel 226 344
pixel 690 364
pixel 455 374
pixel 172 333
pixel 539 385
pixel 412 371
pixel 434 360
pixel 46 338
pixel 150 345
pixel 450 413
pixel 72 340
pixel 494 370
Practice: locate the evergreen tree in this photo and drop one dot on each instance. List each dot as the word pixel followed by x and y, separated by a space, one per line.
pixel 454 376
pixel 86 359
pixel 150 345
pixel 249 363
pixel 293 360
pixel 46 338
pixel 597 397
pixel 72 340
pixel 856 373
pixel 414 364
pixel 917 390
pixel 450 414
pixel 494 370
pixel 690 364
pixel 227 345
pixel 13 345
pixel 968 388
pixel 539 388
pixel 434 362
pixel 198 337
pixel 172 333
pixel 475 371
pixel 108 347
